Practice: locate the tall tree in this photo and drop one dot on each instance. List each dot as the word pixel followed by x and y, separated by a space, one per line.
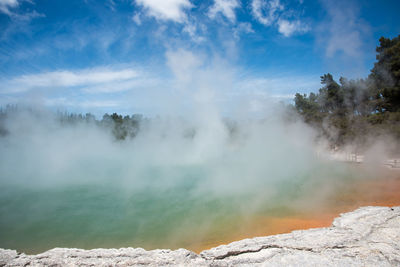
pixel 386 74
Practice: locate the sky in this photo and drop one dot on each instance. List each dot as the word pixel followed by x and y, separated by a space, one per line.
pixel 157 56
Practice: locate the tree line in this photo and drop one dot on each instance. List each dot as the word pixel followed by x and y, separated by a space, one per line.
pixel 353 111
pixel 122 127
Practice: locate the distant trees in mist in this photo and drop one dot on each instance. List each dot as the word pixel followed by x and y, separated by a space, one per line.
pixel 122 127
pixel 351 111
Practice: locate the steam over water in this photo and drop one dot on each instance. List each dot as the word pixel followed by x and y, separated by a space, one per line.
pixel 76 186
pixel 212 157
pixel 190 179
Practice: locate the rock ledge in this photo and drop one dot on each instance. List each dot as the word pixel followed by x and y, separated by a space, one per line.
pixel 368 236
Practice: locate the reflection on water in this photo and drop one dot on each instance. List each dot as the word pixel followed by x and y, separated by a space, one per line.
pixel 88 216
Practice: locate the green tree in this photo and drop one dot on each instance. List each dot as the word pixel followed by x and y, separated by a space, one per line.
pixel 386 75
pixel 353 109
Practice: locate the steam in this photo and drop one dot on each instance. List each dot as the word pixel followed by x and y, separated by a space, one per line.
pixel 39 150
pixel 192 168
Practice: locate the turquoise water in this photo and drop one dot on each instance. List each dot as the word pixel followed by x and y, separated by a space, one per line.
pixel 89 215
pixel 75 186
pixel 93 216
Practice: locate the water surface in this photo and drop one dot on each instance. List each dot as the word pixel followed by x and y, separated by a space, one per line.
pixel 90 215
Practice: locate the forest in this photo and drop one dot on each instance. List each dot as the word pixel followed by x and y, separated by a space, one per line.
pixel 355 111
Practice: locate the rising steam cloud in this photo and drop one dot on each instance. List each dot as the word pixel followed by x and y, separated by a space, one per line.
pixel 193 164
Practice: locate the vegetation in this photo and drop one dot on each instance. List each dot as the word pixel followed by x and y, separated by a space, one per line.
pixel 122 127
pixel 352 111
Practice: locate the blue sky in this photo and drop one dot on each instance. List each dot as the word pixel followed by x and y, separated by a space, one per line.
pixel 150 56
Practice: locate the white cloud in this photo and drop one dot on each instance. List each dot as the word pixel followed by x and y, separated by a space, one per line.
pixel 111 87
pixel 243 27
pixel 19 19
pixel 145 81
pixel 166 9
pixel 64 102
pixel 287 28
pixel 183 64
pixel 193 30
pixel 5 6
pixel 136 19
pixel 343 31
pixel 57 79
pixel 99 104
pixel 282 86
pixel 266 12
pixel 116 88
pixel 111 5
pixel 283 96
pixel 225 7
pixel 273 13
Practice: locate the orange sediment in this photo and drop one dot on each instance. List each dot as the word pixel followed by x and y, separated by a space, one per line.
pixel 382 191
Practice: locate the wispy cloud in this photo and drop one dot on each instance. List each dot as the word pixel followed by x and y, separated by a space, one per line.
pixel 195 31
pixel 287 28
pixel 273 13
pixel 57 79
pixel 101 89
pixel 136 18
pixel 243 27
pixel 65 102
pixel 277 86
pixel 10 8
pixel 142 82
pixel 6 5
pixel 224 7
pixel 343 31
pixel 99 104
pixel 19 17
pixel 266 11
pixel 166 9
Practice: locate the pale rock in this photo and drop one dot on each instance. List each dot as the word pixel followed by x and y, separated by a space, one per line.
pixel 368 236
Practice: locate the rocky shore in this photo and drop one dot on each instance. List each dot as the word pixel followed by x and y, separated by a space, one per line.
pixel 368 236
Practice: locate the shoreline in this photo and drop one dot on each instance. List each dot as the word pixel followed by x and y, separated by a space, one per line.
pixel 366 236
pixel 377 189
pixel 384 193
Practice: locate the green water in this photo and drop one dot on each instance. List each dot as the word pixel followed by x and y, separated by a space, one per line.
pixel 93 216
pixel 89 215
